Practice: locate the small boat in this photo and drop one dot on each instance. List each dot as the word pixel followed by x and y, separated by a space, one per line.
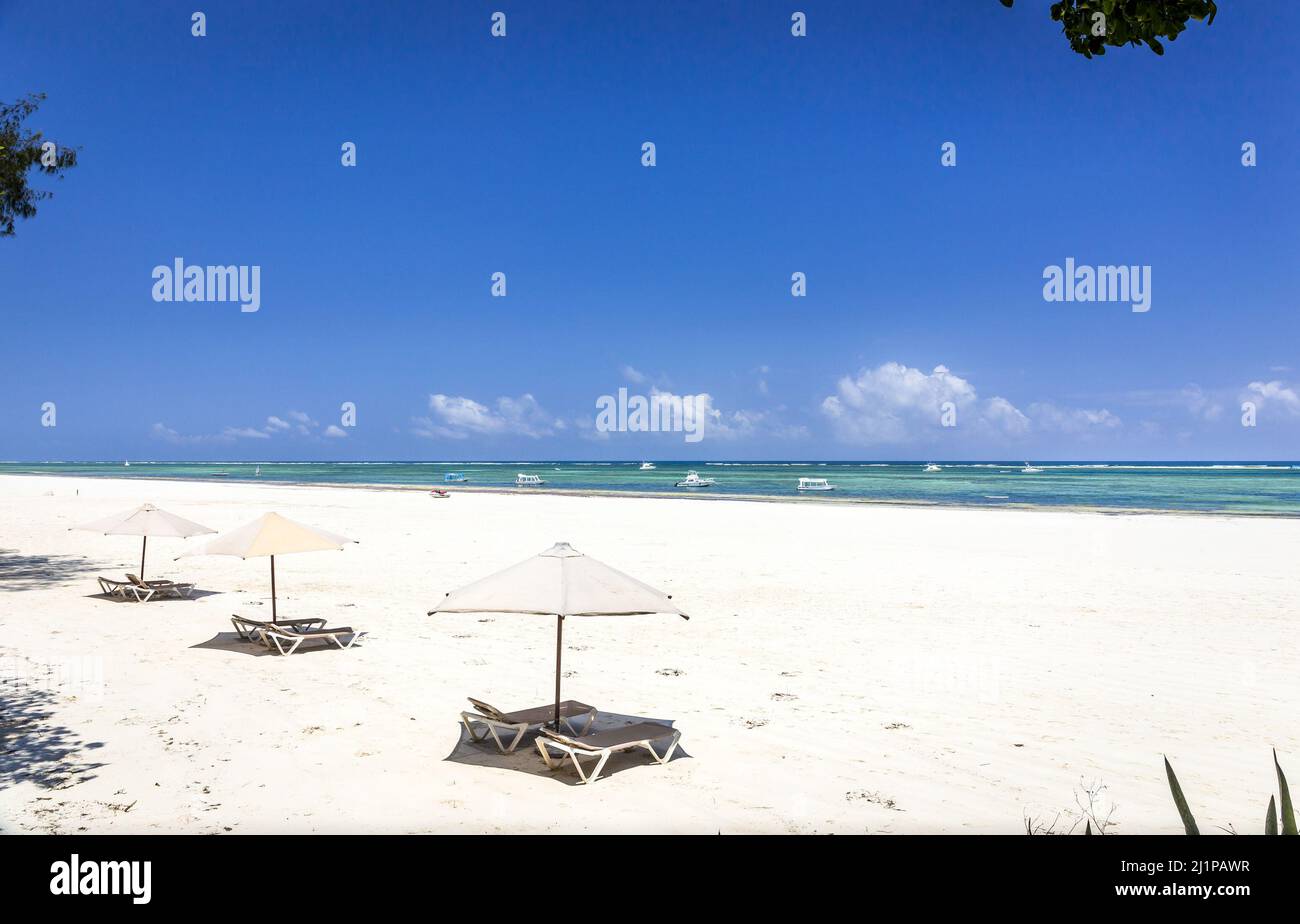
pixel 221 474
pixel 931 467
pixel 438 492
pixel 528 481
pixel 647 466
pixel 814 484
pixel 257 472
pixel 693 480
pixel 126 463
pixel 454 478
pixel 1030 470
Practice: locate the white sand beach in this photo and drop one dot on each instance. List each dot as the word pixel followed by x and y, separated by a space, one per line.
pixel 847 668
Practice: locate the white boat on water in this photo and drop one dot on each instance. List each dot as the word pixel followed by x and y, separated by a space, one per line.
pixel 647 466
pixel 814 484
pixel 126 463
pixel 1030 470
pixel 257 471
pixel 693 480
pixel 931 467
pixel 528 481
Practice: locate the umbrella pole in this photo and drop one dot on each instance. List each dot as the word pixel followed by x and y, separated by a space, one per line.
pixel 143 546
pixel 273 619
pixel 559 639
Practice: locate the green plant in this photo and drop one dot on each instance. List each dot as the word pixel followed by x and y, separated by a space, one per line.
pixel 22 151
pixel 1091 25
pixel 1270 820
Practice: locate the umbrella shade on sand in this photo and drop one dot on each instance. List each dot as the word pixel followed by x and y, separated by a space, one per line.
pixel 559 582
pixel 268 536
pixel 146 520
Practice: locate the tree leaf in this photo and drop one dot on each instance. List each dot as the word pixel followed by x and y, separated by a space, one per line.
pixel 1189 823
pixel 1288 811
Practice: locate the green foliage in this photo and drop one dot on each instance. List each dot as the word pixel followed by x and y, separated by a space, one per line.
pixel 1126 22
pixel 20 152
pixel 1270 820
pixel 1189 823
pixel 1288 812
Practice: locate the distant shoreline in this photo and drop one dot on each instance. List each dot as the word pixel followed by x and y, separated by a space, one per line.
pixel 819 499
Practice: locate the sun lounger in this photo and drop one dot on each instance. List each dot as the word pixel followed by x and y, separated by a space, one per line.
pixel 519 722
pixel 281 634
pixel 112 588
pixel 248 629
pixel 603 744
pixel 145 590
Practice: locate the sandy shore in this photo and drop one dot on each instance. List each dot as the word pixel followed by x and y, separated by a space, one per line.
pixel 849 668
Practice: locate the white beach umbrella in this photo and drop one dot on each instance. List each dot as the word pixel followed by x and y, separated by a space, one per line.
pixel 146 520
pixel 559 582
pixel 268 536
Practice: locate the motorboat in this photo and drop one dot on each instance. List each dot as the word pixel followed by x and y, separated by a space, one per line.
pixel 438 493
pixel 931 467
pixel 454 478
pixel 647 466
pixel 1030 470
pixel 693 480
pixel 528 481
pixel 814 484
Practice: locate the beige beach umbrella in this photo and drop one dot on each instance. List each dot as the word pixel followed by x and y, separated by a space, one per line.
pixel 559 582
pixel 145 521
pixel 268 536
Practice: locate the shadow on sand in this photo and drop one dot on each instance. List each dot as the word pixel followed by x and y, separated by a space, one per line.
pixel 525 758
pixel 194 595
pixel 32 747
pixel 233 643
pixel 29 572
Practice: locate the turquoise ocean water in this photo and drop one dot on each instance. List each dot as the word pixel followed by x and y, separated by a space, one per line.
pixel 1227 487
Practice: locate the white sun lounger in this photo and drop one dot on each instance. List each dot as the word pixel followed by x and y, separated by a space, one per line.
pixel 282 634
pixel 520 721
pixel 146 590
pixel 604 744
pixel 248 629
pixel 112 588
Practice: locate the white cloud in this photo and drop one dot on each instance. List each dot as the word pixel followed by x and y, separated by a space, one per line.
pixel 457 417
pixel 1273 394
pixel 894 403
pixel 633 375
pixel 302 424
pixel 335 432
pixel 1200 403
pixel 244 433
pixel 1077 421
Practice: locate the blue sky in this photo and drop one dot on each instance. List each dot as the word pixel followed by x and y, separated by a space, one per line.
pixel 775 154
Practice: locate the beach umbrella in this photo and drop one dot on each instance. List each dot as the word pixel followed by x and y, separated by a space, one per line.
pixel 559 582
pixel 268 536
pixel 146 520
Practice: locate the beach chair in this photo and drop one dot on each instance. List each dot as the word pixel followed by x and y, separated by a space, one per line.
pixel 603 744
pixel 112 588
pixel 146 590
pixel 520 721
pixel 248 628
pixel 281 635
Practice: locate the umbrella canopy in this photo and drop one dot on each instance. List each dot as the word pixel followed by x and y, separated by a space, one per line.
pixel 559 582
pixel 272 534
pixel 146 520
pixel 268 536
